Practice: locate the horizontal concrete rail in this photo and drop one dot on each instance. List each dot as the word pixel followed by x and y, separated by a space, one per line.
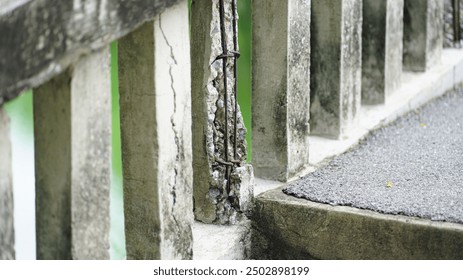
pixel 41 38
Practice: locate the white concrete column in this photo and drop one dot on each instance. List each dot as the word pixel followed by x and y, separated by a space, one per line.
pixel 91 156
pixel 72 122
pixel 382 38
pixel 155 108
pixel 335 67
pixel 7 249
pixel 423 34
pixel 280 87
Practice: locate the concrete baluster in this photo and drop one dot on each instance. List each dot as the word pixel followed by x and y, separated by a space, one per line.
pixel 7 251
pixel 423 34
pixel 72 122
pixel 382 37
pixel 155 108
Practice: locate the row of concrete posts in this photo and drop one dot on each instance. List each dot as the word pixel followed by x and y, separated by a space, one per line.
pixel 356 50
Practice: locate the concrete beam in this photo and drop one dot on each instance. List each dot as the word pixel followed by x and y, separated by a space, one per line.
pixel 7 247
pixel 155 108
pixel 382 38
pixel 41 38
pixel 72 121
pixel 335 67
pixel 286 227
pixel 281 88
pixel 423 34
pixel 222 188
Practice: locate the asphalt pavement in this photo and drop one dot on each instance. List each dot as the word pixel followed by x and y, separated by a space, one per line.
pixel 413 167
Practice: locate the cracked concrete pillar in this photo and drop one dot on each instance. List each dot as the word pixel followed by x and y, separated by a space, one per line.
pixel 382 38
pixel 155 108
pixel 281 88
pixel 423 34
pixel 72 122
pixel 336 43
pixel 7 251
pixel 223 189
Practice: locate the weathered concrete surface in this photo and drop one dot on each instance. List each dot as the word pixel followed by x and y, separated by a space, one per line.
pixel 52 146
pixel 423 34
pixel 155 106
pixel 285 227
pixel 7 250
pixel 91 155
pixel 280 86
pixel 72 121
pixel 381 49
pixel 222 242
pixel 215 199
pixel 335 85
pixel 41 38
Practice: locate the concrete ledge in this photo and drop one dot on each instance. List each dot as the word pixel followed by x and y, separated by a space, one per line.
pixel 285 227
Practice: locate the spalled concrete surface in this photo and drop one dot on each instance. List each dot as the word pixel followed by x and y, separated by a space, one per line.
pixel 7 246
pixel 450 36
pixel 281 78
pixel 219 154
pixel 412 167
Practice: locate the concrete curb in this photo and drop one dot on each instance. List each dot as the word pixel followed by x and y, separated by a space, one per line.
pixel 286 227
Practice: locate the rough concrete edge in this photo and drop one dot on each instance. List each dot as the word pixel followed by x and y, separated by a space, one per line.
pixel 278 196
pixel 286 248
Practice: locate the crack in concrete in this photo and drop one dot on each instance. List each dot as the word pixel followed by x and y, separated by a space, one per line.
pixel 172 120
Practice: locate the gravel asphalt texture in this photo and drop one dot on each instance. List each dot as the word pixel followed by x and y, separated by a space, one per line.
pixel 413 167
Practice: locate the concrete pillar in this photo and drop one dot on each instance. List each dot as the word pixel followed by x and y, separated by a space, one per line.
pixel 280 87
pixel 223 182
pixel 7 251
pixel 382 38
pixel 155 107
pixel 423 34
pixel 72 122
pixel 453 23
pixel 335 67
pixel 52 140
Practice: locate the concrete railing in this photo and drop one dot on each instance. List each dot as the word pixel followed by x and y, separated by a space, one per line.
pixel 182 131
